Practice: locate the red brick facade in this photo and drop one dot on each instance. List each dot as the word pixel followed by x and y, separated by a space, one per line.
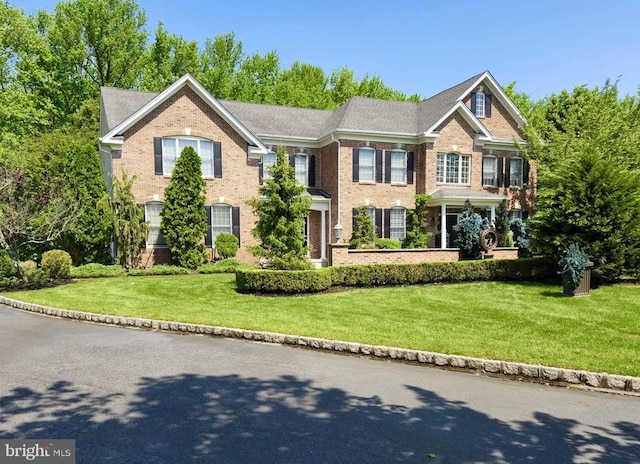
pixel 186 113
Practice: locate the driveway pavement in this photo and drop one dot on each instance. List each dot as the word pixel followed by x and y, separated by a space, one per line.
pixel 129 396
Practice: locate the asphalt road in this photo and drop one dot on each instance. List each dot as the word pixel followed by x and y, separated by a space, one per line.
pixel 129 396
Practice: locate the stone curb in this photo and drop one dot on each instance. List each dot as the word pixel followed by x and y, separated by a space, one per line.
pixel 530 372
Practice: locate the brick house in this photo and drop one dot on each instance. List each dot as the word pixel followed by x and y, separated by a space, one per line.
pixel 459 144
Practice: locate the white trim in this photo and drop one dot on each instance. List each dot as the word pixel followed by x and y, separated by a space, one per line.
pixel 468 116
pixel 255 143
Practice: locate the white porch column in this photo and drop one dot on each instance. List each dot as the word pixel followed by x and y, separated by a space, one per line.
pixel 443 226
pixel 493 214
pixel 323 246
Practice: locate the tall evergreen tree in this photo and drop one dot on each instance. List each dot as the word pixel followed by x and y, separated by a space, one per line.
pixel 184 218
pixel 130 229
pixel 281 216
pixel 417 235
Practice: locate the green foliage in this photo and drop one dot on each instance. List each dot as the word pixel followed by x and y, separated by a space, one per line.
pixel 271 281
pixel 223 266
pixel 184 218
pixel 95 270
pixel 417 235
pixel 502 225
pixel 130 229
pixel 363 235
pixel 572 266
pixel 227 245
pixel 467 232
pixel 7 266
pixel 281 218
pixel 388 244
pixel 528 269
pixel 56 264
pixel 160 269
pixel 588 178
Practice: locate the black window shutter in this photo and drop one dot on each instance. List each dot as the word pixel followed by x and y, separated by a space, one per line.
pixel 292 161
pixel 507 172
pixel 387 167
pixel 235 221
pixel 487 106
pixel 217 159
pixel 525 215
pixel 208 240
pixel 356 165
pixel 387 223
pixel 525 171
pixel 260 172
pixel 410 160
pixel 500 171
pixel 473 102
pixel 378 165
pixel 312 171
pixel 157 155
pixel 378 222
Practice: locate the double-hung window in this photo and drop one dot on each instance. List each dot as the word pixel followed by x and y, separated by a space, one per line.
pixel 221 221
pixel 515 172
pixel 173 146
pixel 397 223
pixel 452 168
pixel 367 166
pixel 479 104
pixel 268 161
pixel 152 216
pixel 490 171
pixel 398 167
pixel 301 168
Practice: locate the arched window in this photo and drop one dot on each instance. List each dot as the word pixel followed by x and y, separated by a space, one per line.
pixel 173 146
pixel 479 104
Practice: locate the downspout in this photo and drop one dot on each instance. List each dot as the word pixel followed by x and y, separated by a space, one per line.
pixel 338 227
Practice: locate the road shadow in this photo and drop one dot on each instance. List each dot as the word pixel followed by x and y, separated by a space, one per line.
pixel 233 419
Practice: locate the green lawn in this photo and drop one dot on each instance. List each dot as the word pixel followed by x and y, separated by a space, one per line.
pixel 525 322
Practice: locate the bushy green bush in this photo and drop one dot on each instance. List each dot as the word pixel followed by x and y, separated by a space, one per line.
pixel 160 269
pixel 388 244
pixel 56 264
pixel 7 267
pixel 284 282
pixel 223 265
pixel 96 270
pixel 227 245
pixel 526 269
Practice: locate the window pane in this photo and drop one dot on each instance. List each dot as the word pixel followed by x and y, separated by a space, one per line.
pixel 168 155
pixel 515 172
pixel 366 165
pixel 398 167
pixel 464 169
pixel 397 223
pixel 440 168
pixel 489 171
pixel 220 221
pixel 453 169
pixel 301 169
pixel 205 151
pixel 480 104
pixel 268 161
pixel 152 214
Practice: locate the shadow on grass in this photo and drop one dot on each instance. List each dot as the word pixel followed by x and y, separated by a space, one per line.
pixel 233 419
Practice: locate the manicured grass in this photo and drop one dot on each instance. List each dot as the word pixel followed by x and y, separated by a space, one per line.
pixel 525 322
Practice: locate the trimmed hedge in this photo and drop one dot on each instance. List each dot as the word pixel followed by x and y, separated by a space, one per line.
pixel 525 269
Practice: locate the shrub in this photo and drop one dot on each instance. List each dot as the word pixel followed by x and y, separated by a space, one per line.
pixel 223 265
pixel 227 245
pixel 526 269
pixel 363 235
pixel 56 264
pixel 287 282
pixel 520 231
pixel 160 269
pixel 7 267
pixel 572 267
pixel 388 243
pixel 96 270
pixel 467 232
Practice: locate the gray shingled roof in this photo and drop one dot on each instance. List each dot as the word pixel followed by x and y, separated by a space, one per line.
pixel 449 193
pixel 357 114
pixel 119 104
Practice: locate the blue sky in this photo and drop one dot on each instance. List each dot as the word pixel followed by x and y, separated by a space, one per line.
pixel 425 46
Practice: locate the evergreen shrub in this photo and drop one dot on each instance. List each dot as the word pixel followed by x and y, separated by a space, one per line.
pixel 56 264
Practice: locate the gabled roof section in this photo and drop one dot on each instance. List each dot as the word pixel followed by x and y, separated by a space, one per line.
pixel 114 133
pixel 118 104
